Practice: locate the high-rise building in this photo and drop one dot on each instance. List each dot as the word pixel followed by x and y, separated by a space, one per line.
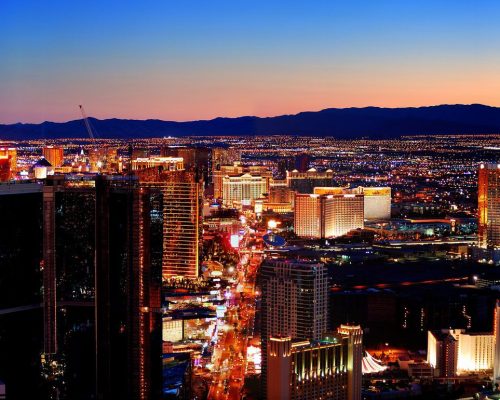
pixel 456 351
pixel 5 169
pixel 236 171
pixel 302 162
pixel 307 370
pixel 377 200
pixel 128 331
pixel 242 189
pixel 354 335
pixel 496 338
pixel 180 194
pixel 54 155
pixel 489 206
pixel 442 353
pixel 326 216
pixel 20 284
pixel 8 163
pixel 196 159
pixel 222 156
pixel 167 163
pixel 279 192
pixel 305 182
pixel 294 302
pixel 308 215
pixel 97 253
pixel 328 368
pixel 280 197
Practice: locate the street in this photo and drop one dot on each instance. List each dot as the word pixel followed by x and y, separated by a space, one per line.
pixel 229 358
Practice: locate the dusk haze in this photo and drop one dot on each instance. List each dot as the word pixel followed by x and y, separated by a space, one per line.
pixel 189 60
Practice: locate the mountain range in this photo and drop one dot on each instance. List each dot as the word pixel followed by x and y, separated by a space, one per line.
pixel 372 122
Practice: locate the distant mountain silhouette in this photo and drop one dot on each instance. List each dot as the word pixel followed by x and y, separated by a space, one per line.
pixel 373 122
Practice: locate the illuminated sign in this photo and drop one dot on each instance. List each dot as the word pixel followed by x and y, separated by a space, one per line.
pixel 235 241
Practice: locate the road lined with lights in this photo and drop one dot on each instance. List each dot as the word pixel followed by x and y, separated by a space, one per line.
pixel 229 359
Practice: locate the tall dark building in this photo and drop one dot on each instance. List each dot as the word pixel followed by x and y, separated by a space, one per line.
pixel 128 334
pixel 21 332
pixel 302 162
pixel 97 259
pixel 294 302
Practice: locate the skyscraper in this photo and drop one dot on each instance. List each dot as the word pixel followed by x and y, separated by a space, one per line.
pixel 489 205
pixel 496 339
pixel 354 335
pixel 329 368
pixel 243 189
pixel 294 302
pixel 5 169
pixel 20 285
pixel 54 155
pixel 8 163
pixel 377 200
pixel 196 159
pixel 128 332
pixel 96 254
pixel 326 216
pixel 181 196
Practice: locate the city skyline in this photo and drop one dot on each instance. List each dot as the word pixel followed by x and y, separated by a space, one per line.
pixel 267 200
pixel 191 61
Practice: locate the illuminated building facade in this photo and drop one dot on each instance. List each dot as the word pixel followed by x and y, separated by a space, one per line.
pixel 328 368
pixel 496 338
pixel 279 192
pixel 454 352
pixel 196 159
pixel 326 216
pixel 5 169
pixel 489 205
pixel 305 182
pixel 167 163
pixel 307 221
pixel 294 302
pixel 224 156
pixel 442 353
pixel 180 196
pixel 54 155
pixel 243 189
pixel 354 335
pixel 377 200
pixel 280 197
pixel 8 163
pixel 236 170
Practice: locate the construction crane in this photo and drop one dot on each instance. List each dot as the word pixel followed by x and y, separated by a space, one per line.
pixel 87 124
pixel 95 156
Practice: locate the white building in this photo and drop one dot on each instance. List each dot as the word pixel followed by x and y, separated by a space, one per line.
pixel 456 352
pixel 377 200
pixel 243 189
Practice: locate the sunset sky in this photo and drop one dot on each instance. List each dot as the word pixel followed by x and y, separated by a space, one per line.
pixel 185 60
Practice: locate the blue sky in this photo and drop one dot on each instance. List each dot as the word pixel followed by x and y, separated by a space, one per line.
pixel 183 60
